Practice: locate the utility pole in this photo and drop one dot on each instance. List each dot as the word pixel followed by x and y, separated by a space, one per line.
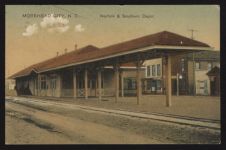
pixel 193 60
pixel 194 68
pixel 192 32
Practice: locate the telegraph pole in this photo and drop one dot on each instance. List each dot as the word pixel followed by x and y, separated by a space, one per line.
pixel 194 83
pixel 192 32
pixel 193 59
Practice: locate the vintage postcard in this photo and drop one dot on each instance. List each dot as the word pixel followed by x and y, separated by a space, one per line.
pixel 112 74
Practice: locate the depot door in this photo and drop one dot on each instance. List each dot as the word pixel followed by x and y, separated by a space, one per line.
pixel 92 87
pixel 53 81
pixel 212 87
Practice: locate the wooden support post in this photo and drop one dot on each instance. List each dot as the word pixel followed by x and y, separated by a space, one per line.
pixel 122 84
pixel 33 89
pixel 86 84
pixel 163 83
pixel 34 86
pixel 40 86
pixel 138 82
pixel 177 84
pixel 96 86
pixel 168 81
pixel 47 81
pixel 74 84
pixel 38 90
pixel 116 74
pixel 60 85
pixel 99 84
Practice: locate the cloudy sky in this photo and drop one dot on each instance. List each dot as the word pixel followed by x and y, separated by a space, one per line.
pixel 36 33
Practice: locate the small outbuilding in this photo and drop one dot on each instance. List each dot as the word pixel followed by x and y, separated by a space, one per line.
pixel 214 76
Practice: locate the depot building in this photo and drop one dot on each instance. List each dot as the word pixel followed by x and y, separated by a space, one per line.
pixel 109 71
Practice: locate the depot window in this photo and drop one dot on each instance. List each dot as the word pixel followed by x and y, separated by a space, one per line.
pixel 153 70
pixel 158 70
pixel 43 82
pixel 53 82
pixel 148 71
pixel 209 66
pixel 197 65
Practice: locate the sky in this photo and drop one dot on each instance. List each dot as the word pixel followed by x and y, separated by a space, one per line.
pixel 35 33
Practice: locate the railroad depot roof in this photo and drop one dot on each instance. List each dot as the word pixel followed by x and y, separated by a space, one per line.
pixel 93 53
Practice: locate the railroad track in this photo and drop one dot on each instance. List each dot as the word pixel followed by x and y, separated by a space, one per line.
pixel 193 121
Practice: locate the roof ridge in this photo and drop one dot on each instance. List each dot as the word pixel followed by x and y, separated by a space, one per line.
pixel 129 40
pixel 33 66
pixel 183 36
pixel 70 52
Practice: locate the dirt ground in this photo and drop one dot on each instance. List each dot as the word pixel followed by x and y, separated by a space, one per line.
pixel 44 123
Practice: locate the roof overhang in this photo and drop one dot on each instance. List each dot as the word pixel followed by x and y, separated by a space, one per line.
pixel 166 49
pixel 124 67
pixel 148 48
pixel 25 74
